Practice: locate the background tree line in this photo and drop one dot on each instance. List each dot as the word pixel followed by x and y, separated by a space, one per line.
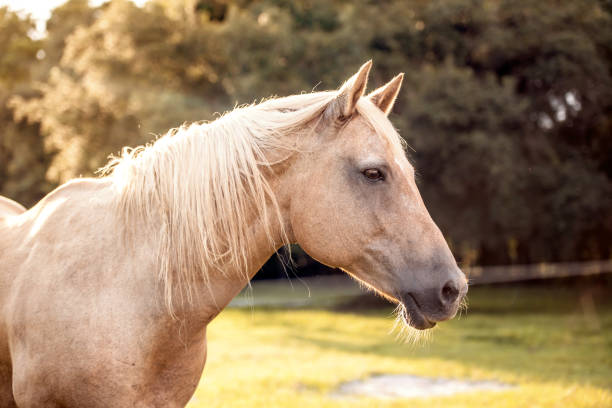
pixel 507 104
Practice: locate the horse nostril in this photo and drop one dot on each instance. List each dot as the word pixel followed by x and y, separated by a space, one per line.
pixel 450 292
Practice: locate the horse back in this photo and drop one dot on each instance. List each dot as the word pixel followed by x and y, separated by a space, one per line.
pixel 10 207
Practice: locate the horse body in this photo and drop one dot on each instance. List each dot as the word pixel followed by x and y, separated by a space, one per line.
pixel 88 331
pixel 93 306
pixel 94 330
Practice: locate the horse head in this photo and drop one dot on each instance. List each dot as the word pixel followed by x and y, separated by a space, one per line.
pixel 356 206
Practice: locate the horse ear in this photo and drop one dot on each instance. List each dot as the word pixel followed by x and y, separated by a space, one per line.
pixel 352 90
pixel 384 97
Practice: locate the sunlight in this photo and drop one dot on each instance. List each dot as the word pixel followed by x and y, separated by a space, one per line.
pixel 40 10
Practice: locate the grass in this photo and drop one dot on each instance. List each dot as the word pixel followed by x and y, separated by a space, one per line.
pixel 553 340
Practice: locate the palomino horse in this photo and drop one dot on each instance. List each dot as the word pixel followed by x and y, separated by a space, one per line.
pixel 107 285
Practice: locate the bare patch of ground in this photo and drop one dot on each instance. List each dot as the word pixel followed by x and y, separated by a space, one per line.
pixel 411 386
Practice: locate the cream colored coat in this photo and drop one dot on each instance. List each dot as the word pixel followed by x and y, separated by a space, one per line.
pixel 86 318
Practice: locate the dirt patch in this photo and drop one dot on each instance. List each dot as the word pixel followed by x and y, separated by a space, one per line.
pixel 410 386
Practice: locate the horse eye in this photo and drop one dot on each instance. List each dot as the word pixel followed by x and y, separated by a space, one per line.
pixel 373 174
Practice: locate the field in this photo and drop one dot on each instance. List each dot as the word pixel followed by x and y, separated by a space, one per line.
pixel 553 340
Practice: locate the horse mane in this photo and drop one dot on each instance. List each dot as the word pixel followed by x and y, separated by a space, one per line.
pixel 206 179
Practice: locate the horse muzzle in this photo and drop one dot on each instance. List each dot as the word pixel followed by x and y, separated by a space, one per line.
pixel 423 309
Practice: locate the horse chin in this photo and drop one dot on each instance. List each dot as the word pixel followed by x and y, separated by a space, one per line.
pixel 413 316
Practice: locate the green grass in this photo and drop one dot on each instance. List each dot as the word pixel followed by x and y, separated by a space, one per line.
pixel 554 341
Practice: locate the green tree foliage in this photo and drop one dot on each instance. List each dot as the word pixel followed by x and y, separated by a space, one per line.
pixel 63 22
pixel 23 160
pixel 525 109
pixel 507 103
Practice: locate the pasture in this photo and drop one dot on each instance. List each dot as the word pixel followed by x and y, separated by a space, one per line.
pixel 553 340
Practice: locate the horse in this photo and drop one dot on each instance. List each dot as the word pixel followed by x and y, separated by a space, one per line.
pixel 107 284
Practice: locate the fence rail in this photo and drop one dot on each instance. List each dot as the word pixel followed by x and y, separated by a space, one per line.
pixel 514 273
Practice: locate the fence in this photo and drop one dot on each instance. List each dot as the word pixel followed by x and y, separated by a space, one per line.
pixel 513 273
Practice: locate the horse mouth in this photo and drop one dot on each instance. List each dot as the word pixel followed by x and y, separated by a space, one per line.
pixel 413 316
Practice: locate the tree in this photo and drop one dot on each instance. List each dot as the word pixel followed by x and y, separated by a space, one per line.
pixel 23 160
pixel 507 103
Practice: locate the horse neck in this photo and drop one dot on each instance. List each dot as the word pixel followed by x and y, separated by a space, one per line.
pixel 215 289
pixel 221 286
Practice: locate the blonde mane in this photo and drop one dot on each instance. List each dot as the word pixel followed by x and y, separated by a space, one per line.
pixel 206 179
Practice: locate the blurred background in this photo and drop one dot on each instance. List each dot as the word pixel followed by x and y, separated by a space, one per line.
pixel 507 107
